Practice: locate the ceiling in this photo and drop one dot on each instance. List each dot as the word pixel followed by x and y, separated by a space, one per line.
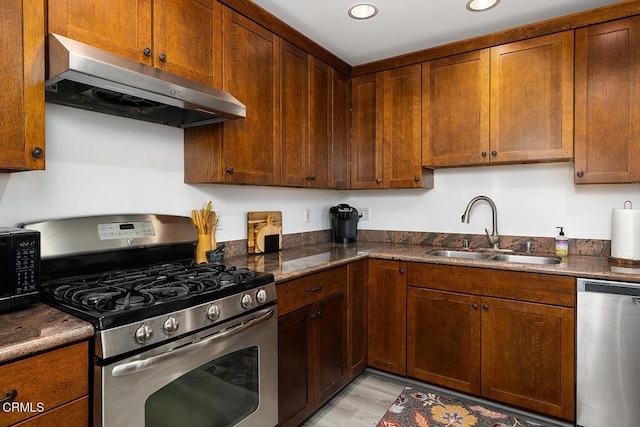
pixel 403 26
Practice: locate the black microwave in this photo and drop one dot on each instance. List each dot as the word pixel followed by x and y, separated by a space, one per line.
pixel 19 268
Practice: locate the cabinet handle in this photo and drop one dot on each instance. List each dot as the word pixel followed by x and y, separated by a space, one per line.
pixel 483 154
pixel 146 52
pixel 11 394
pixel 230 170
pixel 37 152
pixel 494 153
pixel 485 307
pixel 316 289
pixel 401 271
pixel 475 306
pixel 316 315
pixel 162 57
pixel 580 174
pixel 416 179
pixel 377 180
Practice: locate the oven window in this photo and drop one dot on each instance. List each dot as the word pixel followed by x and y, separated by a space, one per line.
pixel 216 394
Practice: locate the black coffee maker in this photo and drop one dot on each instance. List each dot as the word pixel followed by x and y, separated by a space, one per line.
pixel 344 223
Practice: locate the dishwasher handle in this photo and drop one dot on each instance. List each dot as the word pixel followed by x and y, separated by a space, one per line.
pixel 605 287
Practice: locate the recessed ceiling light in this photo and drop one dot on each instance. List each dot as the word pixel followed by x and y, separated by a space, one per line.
pixel 480 5
pixel 363 11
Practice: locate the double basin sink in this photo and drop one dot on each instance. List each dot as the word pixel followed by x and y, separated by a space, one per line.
pixel 489 256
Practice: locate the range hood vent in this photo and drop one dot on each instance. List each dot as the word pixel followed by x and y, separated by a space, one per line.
pixel 82 76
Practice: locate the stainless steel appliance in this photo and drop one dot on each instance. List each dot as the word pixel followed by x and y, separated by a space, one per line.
pixel 344 223
pixel 176 343
pixel 19 268
pixel 82 76
pixel 608 354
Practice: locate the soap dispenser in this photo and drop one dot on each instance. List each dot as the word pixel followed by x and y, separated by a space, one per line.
pixel 562 243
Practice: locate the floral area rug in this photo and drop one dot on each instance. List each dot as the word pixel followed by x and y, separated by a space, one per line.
pixel 414 408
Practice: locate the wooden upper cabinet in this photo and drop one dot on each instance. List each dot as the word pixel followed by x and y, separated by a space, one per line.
pixel 402 132
pixel 251 145
pixel 366 131
pixel 340 131
pixel 159 33
pixel 607 141
pixel 22 81
pixel 319 130
pixel 508 104
pixel 531 105
pixel 295 114
pixel 455 110
pixel 386 130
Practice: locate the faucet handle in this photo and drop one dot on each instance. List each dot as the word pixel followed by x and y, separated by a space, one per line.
pixel 493 239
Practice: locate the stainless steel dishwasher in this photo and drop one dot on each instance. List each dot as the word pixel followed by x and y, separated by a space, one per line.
pixel 608 354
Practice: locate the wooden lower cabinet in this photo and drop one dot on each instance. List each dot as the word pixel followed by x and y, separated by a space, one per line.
pixel 56 382
pixel 387 311
pixel 357 317
pixel 475 334
pixel 311 344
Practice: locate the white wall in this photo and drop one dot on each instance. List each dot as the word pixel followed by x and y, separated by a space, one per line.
pixel 98 164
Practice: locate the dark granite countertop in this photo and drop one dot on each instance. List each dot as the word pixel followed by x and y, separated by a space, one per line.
pixel 294 262
pixel 38 328
pixel 41 327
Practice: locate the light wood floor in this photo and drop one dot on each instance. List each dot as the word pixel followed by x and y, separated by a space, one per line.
pixel 362 403
pixel 366 399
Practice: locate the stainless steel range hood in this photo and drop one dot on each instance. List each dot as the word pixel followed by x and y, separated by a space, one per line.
pixel 82 76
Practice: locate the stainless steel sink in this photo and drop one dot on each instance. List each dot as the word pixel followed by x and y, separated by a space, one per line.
pixel 459 254
pixel 484 256
pixel 526 259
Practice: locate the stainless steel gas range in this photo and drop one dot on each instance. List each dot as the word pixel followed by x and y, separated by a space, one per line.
pixel 176 343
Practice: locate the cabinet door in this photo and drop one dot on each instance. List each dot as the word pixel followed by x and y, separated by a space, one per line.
pixel 319 128
pixel 22 77
pixel 607 89
pixel 531 106
pixel 251 145
pixel 402 145
pixel 185 32
pixel 357 317
pixel 528 355
pixel 366 143
pixel 455 110
pixel 443 338
pixel 328 325
pixel 295 70
pixel 387 312
pixel 340 131
pixel 295 371
pixel 119 26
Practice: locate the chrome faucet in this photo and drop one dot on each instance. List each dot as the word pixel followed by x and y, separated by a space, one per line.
pixel 494 237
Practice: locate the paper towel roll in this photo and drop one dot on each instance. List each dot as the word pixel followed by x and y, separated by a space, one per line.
pixel 625 234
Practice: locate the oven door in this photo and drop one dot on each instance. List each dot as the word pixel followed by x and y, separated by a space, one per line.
pixel 223 376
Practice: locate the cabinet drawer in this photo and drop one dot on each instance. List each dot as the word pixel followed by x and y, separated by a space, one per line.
pixel 72 414
pixel 309 289
pixel 515 285
pixel 49 380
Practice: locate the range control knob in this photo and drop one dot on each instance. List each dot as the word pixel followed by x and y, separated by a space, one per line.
pixel 246 301
pixel 261 296
pixel 213 313
pixel 144 334
pixel 170 326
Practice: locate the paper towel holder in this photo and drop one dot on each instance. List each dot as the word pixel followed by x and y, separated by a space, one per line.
pixel 623 262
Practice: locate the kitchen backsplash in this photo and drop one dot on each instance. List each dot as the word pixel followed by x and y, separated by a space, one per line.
pixel 540 245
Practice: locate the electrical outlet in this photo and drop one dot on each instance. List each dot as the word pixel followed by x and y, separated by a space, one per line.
pixel 365 212
pixel 307 215
pixel 218 220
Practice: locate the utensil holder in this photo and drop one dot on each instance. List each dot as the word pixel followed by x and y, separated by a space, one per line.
pixel 204 245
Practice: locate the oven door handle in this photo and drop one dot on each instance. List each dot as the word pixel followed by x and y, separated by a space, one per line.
pixel 144 364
